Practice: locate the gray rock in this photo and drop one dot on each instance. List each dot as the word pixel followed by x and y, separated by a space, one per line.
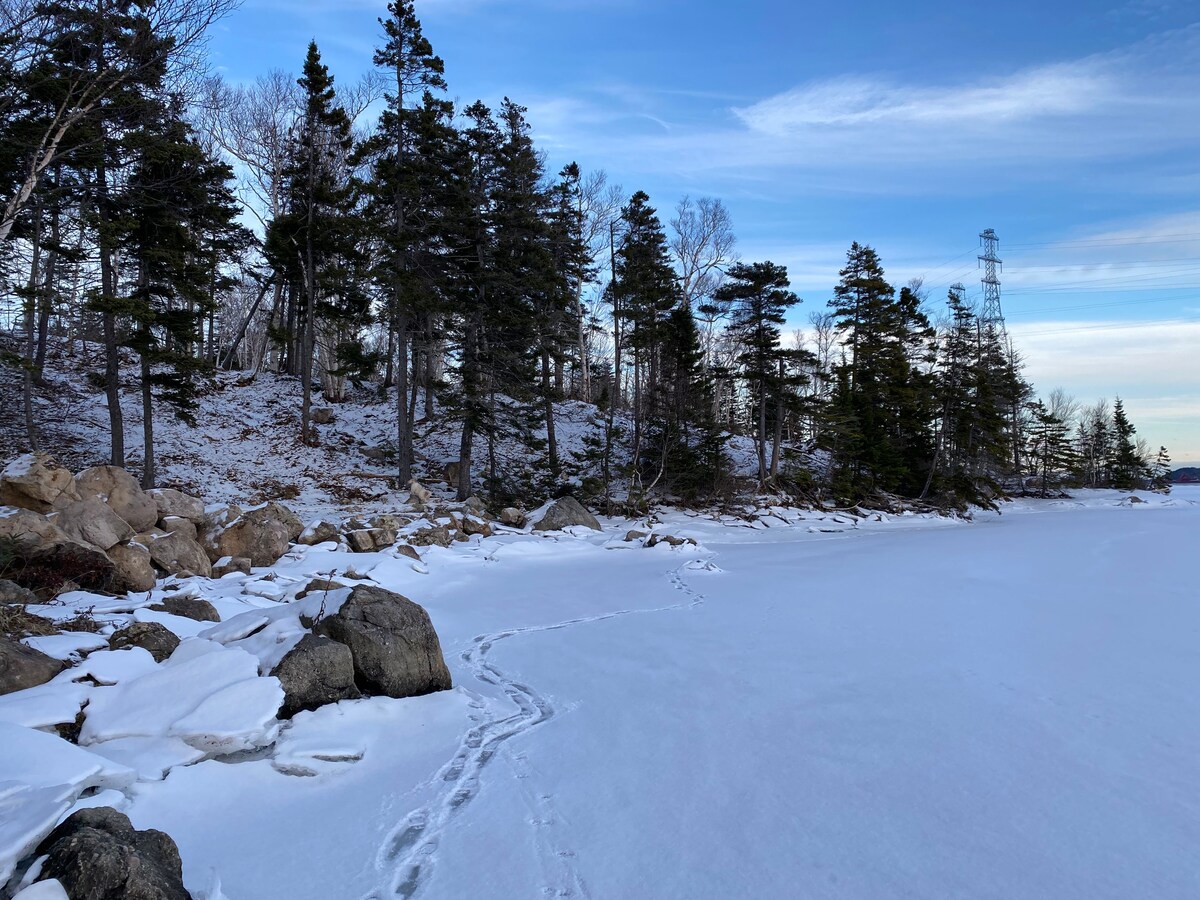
pixel 11 592
pixel 360 541
pixel 92 522
pixel 395 649
pixel 174 552
pixel 227 564
pixel 262 535
pixel 171 502
pixel 472 525
pixel 475 506
pixel 96 854
pixel 435 536
pixel 32 531
pixel 36 482
pixel 120 491
pixel 635 536
pixel 134 570
pixel 319 585
pixel 321 415
pixel 319 532
pixel 158 639
pixel 406 550
pixel 315 672
pixel 179 525
pixel 23 667
pixel 566 512
pixel 512 517
pixel 189 608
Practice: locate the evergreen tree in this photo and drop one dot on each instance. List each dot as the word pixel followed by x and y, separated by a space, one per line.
pixel 178 227
pixel 316 241
pixel 758 296
pixel 1160 472
pixel 645 292
pixel 1049 448
pixel 883 401
pixel 406 161
pixel 1127 466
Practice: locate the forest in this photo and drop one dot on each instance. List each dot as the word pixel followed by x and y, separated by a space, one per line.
pixel 378 237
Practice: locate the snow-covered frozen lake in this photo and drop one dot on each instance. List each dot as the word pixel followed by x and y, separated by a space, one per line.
pixel 1006 709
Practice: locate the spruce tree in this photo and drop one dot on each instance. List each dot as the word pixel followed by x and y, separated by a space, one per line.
pixel 400 195
pixel 758 297
pixel 315 241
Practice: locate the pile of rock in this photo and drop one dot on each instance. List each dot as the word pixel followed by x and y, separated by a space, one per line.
pixel 104 532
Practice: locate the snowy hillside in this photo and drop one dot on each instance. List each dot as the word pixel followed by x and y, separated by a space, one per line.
pixel 245 445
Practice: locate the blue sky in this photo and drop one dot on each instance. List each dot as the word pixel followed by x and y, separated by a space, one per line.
pixel 1071 128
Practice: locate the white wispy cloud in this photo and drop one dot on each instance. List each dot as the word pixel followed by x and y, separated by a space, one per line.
pixel 851 102
pixel 876 133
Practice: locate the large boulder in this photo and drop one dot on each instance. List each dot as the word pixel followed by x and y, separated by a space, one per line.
pixel 23 667
pixel 96 854
pixel 11 592
pixel 315 672
pixel 188 608
pixel 159 640
pixel 262 534
pixel 35 481
pixel 117 488
pixel 368 540
pixel 513 517
pixel 176 552
pixel 395 649
pixel 279 513
pixel 319 532
pixel 171 502
pixel 31 531
pixel 134 569
pixel 227 564
pixel 564 513
pixel 433 536
pixel 92 522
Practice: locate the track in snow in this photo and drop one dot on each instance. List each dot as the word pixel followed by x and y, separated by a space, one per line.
pixel 407 856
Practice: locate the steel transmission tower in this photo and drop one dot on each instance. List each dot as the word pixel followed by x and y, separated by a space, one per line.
pixel 991 313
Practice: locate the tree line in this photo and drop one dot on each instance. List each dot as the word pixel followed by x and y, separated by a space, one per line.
pixel 381 234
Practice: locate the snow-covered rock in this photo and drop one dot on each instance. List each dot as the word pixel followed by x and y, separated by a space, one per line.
pixel 564 513
pixel 36 482
pixel 171 502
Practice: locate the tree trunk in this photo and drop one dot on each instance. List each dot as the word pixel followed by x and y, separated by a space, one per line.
pixel 30 304
pixel 404 435
pixel 108 290
pixel 548 407
pixel 147 428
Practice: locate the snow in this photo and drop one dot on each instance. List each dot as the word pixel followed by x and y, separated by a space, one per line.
pixel 113 666
pixel 67 644
pixel 41 777
pixel 50 889
pixel 800 704
pixel 213 700
pixel 55 703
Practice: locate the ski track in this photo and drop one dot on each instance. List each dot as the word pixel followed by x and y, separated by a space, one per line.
pixel 408 854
